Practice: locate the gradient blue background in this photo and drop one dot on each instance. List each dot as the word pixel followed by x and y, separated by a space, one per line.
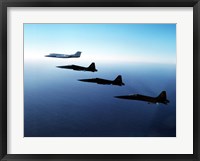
pixel 57 105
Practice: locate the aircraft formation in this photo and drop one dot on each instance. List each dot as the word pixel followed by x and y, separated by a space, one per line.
pixel 161 98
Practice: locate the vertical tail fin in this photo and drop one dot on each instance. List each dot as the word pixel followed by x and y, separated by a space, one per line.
pixel 92 67
pixel 118 80
pixel 78 54
pixel 162 97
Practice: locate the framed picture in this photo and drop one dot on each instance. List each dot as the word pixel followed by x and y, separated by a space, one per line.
pixel 100 80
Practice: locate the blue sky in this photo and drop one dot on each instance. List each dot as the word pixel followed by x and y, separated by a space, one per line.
pixel 103 42
pixel 56 103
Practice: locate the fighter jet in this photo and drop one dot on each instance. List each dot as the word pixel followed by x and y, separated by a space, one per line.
pixel 90 68
pixel 56 55
pixel 161 98
pixel 117 81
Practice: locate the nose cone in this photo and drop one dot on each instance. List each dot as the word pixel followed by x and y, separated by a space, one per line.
pixel 82 80
pixel 122 97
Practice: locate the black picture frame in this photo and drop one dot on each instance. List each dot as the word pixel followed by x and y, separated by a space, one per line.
pixel 4 4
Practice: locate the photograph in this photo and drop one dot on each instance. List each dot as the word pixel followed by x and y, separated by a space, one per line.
pixel 99 79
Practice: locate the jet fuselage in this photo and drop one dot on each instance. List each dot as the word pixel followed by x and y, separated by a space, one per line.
pixel 91 68
pixel 56 55
pixel 159 99
pixel 117 81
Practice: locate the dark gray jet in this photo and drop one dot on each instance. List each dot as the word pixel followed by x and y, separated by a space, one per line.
pixel 56 55
pixel 91 68
pixel 117 81
pixel 161 98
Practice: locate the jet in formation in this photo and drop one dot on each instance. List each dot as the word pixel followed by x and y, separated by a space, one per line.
pixel 56 55
pixel 90 68
pixel 117 81
pixel 161 98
